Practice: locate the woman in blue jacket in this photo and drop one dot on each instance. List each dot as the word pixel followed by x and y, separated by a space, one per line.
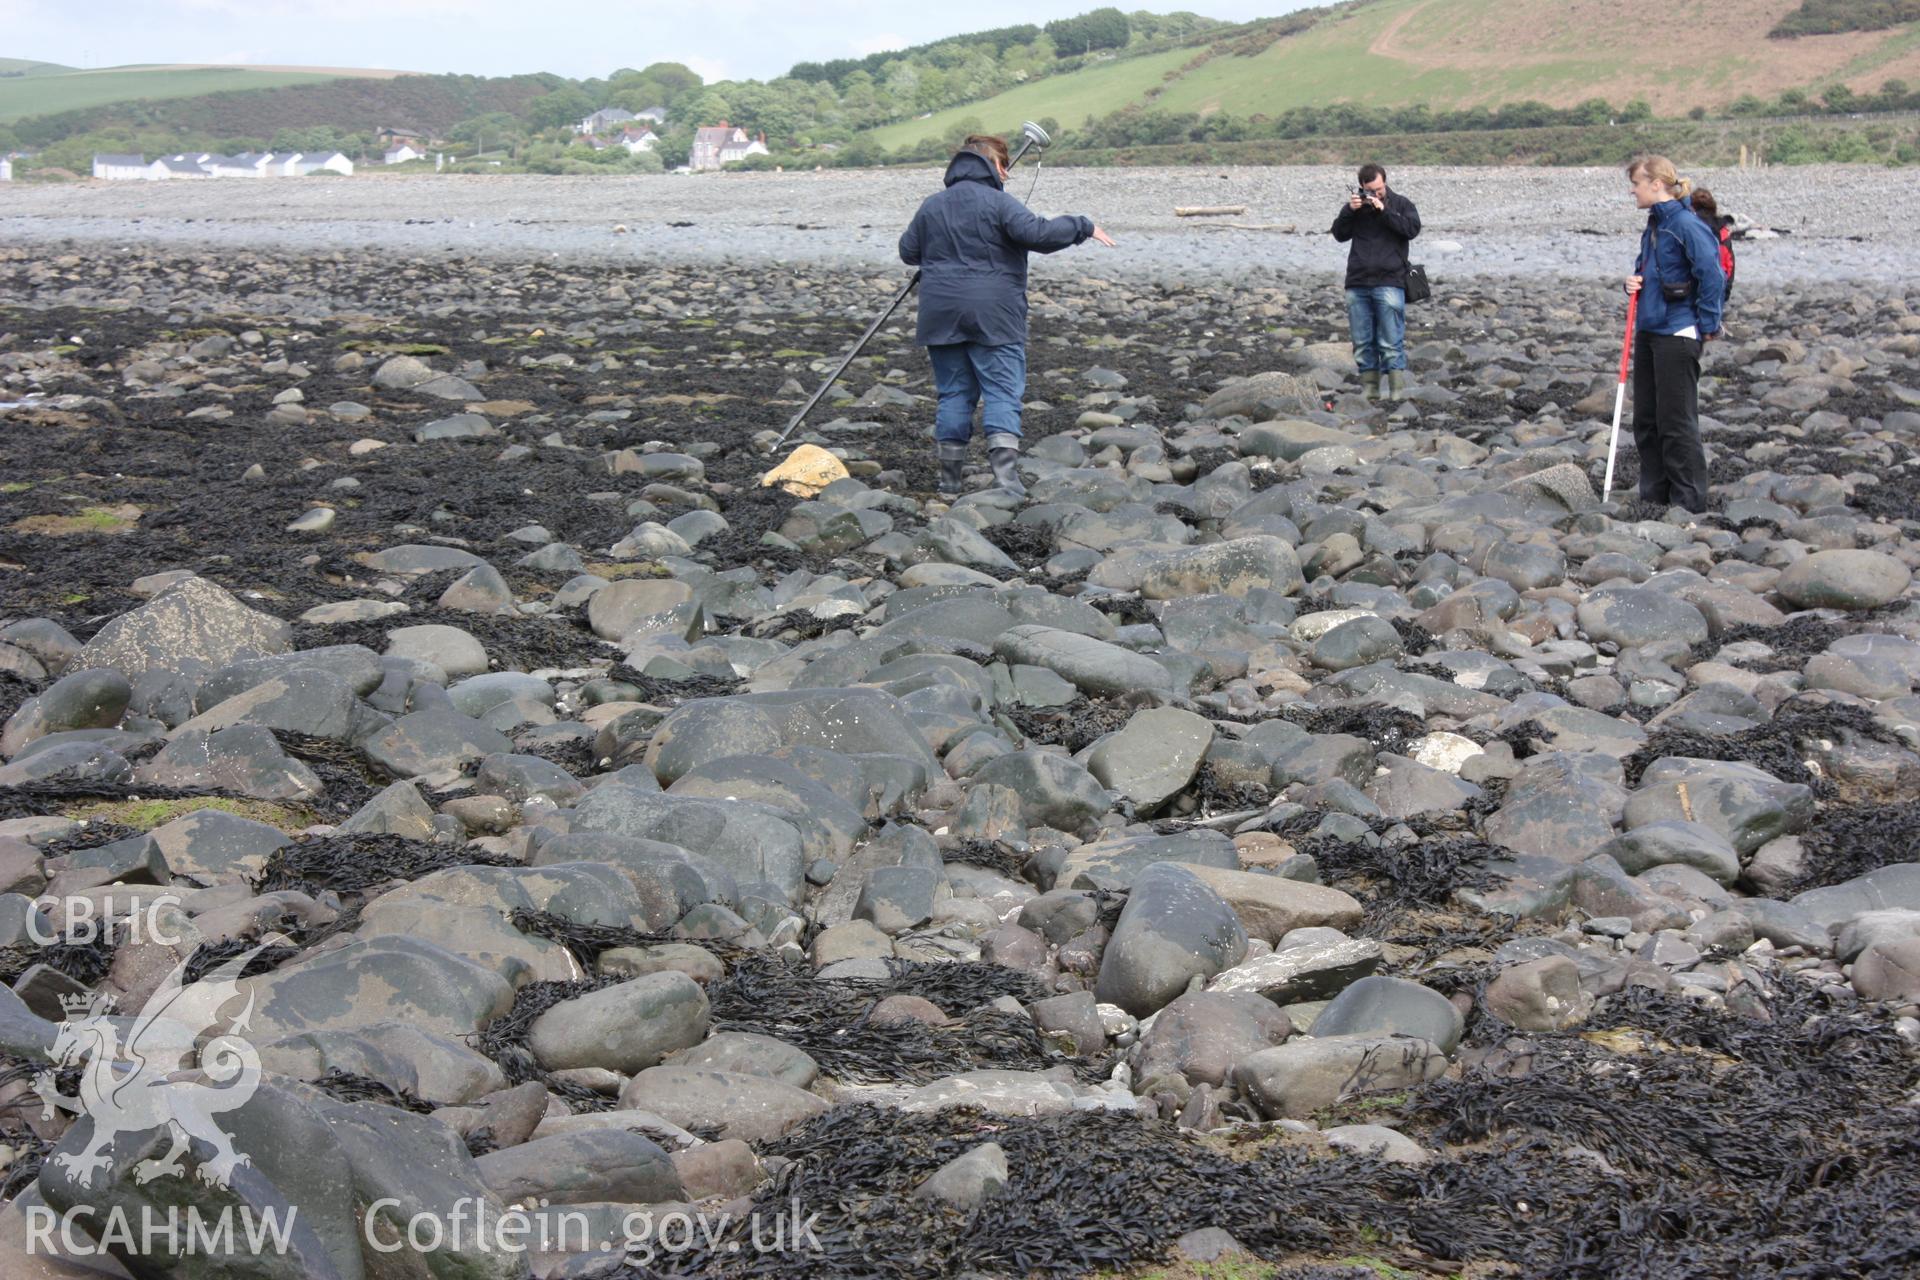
pixel 1682 289
pixel 971 242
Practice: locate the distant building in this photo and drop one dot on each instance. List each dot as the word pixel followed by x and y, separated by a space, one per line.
pixel 604 118
pixel 637 140
pixel 120 168
pixel 179 167
pixel 243 165
pixel 6 170
pixel 716 145
pixel 658 115
pixel 402 154
pixel 391 136
pixel 330 161
pixel 209 164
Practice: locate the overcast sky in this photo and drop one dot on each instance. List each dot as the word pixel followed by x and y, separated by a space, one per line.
pixel 721 39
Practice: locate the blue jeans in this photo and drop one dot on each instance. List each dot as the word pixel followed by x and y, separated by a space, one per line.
pixel 965 373
pixel 1377 318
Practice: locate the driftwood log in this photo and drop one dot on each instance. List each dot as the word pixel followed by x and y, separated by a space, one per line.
pixel 1208 210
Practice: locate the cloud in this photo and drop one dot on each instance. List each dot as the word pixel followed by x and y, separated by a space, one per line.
pixel 712 70
pixel 340 10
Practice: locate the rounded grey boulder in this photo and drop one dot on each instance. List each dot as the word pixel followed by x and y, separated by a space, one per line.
pixel 627 1027
pixel 1172 930
pixel 1843 580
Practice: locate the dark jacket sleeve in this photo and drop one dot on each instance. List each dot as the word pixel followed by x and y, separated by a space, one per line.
pixel 1403 217
pixel 1027 229
pixel 1710 281
pixel 1343 223
pixel 910 243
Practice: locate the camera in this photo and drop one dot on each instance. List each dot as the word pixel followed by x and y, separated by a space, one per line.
pixel 1364 194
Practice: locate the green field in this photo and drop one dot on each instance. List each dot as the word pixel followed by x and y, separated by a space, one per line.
pixel 1454 54
pixel 27 66
pixel 39 94
pixel 1070 99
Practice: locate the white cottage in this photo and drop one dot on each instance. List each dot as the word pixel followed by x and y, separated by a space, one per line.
pixel 402 154
pixel 248 164
pixel 181 166
pixel 330 161
pixel 121 168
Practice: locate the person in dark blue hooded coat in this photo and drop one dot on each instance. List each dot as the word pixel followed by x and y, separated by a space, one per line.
pixel 1682 290
pixel 971 242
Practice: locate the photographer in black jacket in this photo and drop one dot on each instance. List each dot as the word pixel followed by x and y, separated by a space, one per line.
pixel 1379 223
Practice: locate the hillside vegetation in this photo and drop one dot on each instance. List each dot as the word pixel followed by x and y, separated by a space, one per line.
pixel 1824 17
pixel 28 67
pixel 1675 55
pixel 1467 79
pixel 48 92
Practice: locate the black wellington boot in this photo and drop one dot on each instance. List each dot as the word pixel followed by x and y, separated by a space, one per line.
pixel 953 465
pixel 1003 452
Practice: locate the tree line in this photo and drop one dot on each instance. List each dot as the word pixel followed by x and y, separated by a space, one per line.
pixel 1829 17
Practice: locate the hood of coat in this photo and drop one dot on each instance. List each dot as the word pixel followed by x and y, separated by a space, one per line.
pixel 969 167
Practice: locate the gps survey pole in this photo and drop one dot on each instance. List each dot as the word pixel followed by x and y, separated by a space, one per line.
pixel 1620 396
pixel 1031 135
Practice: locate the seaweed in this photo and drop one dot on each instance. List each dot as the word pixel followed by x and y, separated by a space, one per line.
pixel 671 693
pixel 1074 725
pixel 358 862
pixel 208 956
pixel 1775 747
pixel 1847 841
pixel 1677 1142
pixel 994 855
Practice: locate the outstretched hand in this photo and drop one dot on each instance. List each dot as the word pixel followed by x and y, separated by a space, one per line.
pixel 1102 237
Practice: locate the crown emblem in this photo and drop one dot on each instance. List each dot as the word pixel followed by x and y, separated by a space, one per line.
pixel 86 1004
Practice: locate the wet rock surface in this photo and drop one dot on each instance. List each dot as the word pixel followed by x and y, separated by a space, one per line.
pixel 1300 819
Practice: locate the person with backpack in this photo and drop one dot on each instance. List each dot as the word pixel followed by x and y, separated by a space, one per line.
pixel 971 242
pixel 1681 291
pixel 1377 223
pixel 1708 210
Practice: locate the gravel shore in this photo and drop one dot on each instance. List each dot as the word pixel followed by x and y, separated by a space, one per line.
pixel 1280 831
pixel 1844 222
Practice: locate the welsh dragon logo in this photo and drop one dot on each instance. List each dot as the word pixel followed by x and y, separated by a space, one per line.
pixel 131 1087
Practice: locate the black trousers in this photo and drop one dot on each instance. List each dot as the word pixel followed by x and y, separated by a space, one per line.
pixel 1666 420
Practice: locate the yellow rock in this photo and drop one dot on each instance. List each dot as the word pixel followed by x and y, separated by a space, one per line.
pixel 807 471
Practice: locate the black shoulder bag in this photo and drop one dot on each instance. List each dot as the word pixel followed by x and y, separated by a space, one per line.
pixel 1418 290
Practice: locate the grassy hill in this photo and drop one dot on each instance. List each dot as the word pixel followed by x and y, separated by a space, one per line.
pixel 28 67
pixel 57 89
pixel 1449 54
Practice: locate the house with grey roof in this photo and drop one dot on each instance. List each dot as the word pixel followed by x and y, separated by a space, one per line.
pixel 120 168
pixel 604 118
pixel 329 161
pixel 248 164
pixel 181 166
